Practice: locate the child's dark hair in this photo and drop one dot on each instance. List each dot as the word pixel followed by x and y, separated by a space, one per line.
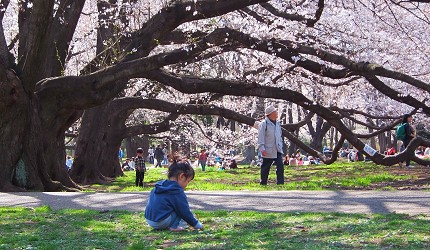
pixel 405 118
pixel 181 167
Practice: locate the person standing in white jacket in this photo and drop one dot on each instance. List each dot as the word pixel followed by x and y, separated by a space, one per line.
pixel 270 145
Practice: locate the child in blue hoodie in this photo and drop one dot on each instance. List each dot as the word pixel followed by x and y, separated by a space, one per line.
pixel 167 206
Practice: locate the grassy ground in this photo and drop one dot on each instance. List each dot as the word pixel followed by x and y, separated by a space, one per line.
pixel 341 175
pixel 42 228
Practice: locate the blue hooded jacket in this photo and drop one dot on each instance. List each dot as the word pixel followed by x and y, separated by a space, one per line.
pixel 168 197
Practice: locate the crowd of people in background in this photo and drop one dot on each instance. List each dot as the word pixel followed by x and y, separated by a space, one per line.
pixel 269 151
pixel 298 159
pixel 157 156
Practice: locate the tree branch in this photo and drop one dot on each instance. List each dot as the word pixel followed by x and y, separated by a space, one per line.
pixel 169 18
pixel 34 24
pixel 193 85
pixel 395 95
pixel 294 126
pixel 80 92
pixel 295 17
pixel 155 128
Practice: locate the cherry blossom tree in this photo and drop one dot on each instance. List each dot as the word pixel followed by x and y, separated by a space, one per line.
pixel 325 57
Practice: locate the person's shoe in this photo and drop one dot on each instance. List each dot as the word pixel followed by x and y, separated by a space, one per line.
pixel 410 166
pixel 178 229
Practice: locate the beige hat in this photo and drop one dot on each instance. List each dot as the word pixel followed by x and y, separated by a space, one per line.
pixel 270 109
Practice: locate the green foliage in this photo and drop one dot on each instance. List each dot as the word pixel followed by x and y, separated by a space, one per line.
pixel 42 228
pixel 341 175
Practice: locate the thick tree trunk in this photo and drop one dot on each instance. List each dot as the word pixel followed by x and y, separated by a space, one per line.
pixel 292 147
pixel 318 133
pixel 33 156
pixel 135 142
pixel 97 148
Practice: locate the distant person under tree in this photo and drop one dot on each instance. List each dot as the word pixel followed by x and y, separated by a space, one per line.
pixel 139 163
pixel 270 145
pixel 405 133
pixel 159 155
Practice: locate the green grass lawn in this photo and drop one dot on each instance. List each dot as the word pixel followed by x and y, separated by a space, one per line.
pixel 341 175
pixel 43 228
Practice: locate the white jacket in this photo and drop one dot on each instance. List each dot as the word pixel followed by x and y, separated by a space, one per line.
pixel 270 138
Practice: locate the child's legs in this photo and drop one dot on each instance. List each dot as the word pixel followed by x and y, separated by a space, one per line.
pixel 173 221
pixel 176 221
pixel 164 224
pixel 137 178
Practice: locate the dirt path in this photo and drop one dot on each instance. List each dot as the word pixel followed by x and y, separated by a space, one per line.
pixel 408 202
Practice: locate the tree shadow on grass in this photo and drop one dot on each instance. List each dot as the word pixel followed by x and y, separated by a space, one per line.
pixel 232 231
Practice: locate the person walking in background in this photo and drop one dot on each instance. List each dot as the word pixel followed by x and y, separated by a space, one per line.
pixel 120 155
pixel 270 144
pixel 139 164
pixel 165 152
pixel 151 155
pixel 159 155
pixel 405 133
pixel 69 163
pixel 203 158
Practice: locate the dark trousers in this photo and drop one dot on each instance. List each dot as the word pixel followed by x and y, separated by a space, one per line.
pixel 405 145
pixel 140 175
pixel 265 169
pixel 159 162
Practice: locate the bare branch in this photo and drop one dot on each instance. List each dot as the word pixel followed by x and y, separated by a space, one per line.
pixel 206 135
pixel 296 17
pixel 155 128
pixel 256 16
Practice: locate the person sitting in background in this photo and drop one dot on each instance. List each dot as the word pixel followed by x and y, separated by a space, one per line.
pixel 427 152
pixel 287 160
pixel 132 164
pixel 233 164
pixel 306 158
pixel 300 161
pixel 390 151
pixel 419 152
pixel 298 154
pixel 352 156
pixel 125 166
pixel 217 159
pixel 293 161
pixel 343 153
pixel 224 164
